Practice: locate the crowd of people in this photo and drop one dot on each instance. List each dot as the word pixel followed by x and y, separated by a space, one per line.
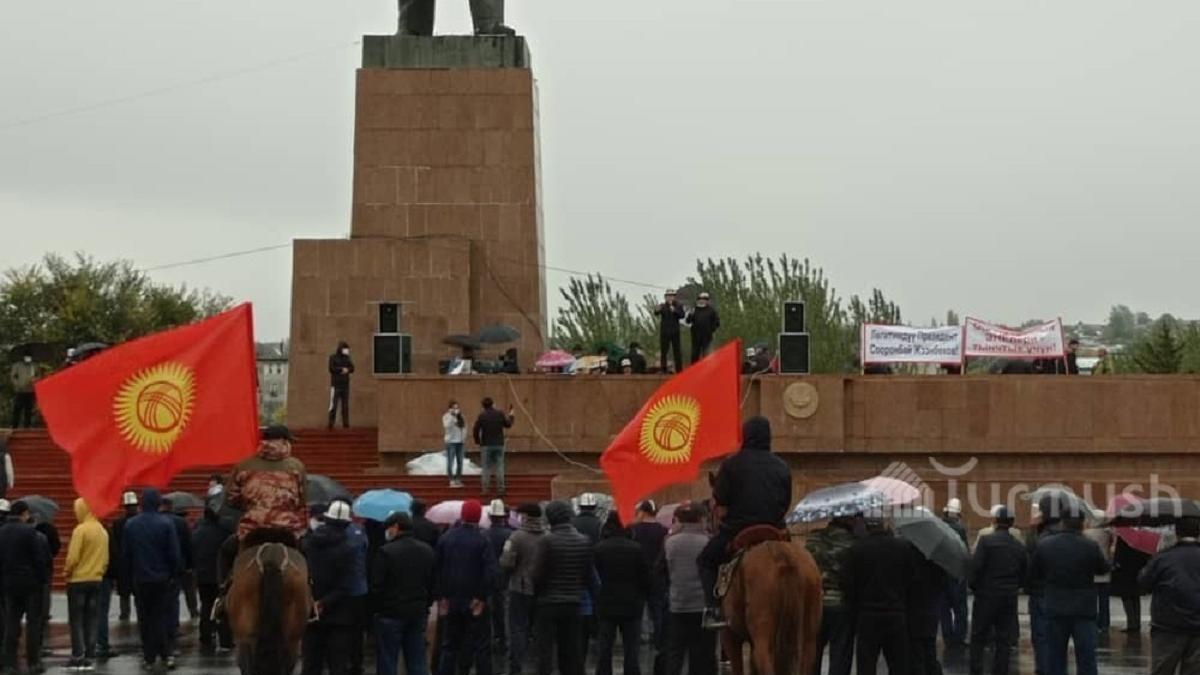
pixel 559 590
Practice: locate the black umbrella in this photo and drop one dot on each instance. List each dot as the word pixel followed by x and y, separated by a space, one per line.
pixel 499 334
pixel 936 540
pixel 323 489
pixel 1057 502
pixel 184 500
pixel 464 341
pixel 42 352
pixel 86 351
pixel 43 508
pixel 1156 512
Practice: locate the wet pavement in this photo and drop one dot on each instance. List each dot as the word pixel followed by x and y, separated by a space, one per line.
pixel 1120 654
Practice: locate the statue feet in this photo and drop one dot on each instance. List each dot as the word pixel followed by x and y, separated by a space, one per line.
pixel 496 29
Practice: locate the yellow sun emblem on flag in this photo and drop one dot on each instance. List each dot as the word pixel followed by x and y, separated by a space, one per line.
pixel 154 405
pixel 669 429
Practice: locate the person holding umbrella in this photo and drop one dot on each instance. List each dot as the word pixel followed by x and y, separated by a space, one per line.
pixel 1173 577
pixel 998 571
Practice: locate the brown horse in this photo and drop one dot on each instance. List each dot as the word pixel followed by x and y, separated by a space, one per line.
pixel 268 605
pixel 774 603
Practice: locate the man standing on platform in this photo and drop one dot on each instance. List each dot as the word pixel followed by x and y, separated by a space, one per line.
pixel 670 313
pixel 340 370
pixel 416 17
pixel 489 436
pixel 22 377
pixel 704 321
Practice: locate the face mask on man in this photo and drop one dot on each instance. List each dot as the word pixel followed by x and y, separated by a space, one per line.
pixel 314 523
pixel 390 535
pixel 346 352
pixel 28 359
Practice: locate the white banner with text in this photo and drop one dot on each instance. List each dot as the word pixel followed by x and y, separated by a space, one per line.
pixel 1041 341
pixel 905 344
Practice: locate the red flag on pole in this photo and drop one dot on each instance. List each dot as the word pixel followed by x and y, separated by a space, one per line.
pixel 140 412
pixel 693 417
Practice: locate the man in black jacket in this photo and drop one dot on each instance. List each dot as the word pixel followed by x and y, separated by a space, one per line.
pixel 1173 577
pixel 179 583
pixel 755 488
pixel 879 570
pixel 637 360
pixel 670 313
pixel 129 504
pixel 562 573
pixel 466 578
pixel 922 615
pixel 998 572
pixel 587 523
pixel 340 370
pixel 401 593
pixel 498 534
pixel 488 434
pixel 651 535
pixel 704 321
pixel 423 528
pixel 1066 563
pixel 24 558
pixel 625 584
pixel 207 538
pixel 330 555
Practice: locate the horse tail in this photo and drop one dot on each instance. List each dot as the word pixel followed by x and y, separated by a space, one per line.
pixel 268 652
pixel 790 612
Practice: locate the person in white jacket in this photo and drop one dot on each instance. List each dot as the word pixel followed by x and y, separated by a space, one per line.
pixel 454 427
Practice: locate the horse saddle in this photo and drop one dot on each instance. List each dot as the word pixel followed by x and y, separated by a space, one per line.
pixel 744 541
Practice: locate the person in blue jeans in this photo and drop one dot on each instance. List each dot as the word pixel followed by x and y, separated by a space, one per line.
pixel 488 434
pixel 454 429
pixel 1066 563
pixel 401 594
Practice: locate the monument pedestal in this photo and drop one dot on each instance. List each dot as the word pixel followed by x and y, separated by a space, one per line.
pixel 445 217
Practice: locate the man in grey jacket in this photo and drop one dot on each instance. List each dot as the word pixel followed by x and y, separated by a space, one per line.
pixel 518 561
pixel 686 636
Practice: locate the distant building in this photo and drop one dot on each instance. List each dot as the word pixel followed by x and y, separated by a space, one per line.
pixel 272 358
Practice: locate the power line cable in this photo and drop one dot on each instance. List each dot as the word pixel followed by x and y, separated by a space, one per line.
pixel 209 79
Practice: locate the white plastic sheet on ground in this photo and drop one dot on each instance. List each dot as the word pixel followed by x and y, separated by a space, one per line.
pixel 434 464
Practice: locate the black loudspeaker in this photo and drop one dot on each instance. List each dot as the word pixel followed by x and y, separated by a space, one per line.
pixel 793 317
pixel 793 353
pixel 389 317
pixel 393 354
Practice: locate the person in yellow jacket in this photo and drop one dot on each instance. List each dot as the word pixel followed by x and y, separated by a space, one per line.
pixel 87 561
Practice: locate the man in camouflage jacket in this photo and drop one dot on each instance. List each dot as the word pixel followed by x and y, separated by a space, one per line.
pixel 269 488
pixel 828 547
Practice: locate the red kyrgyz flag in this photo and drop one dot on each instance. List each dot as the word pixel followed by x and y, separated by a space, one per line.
pixel 142 411
pixel 693 417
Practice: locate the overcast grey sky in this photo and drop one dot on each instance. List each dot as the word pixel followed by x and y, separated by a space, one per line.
pixel 1005 159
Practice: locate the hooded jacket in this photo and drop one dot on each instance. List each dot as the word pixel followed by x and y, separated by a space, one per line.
pixel 87 554
pixel 330 558
pixel 337 363
pixel 520 555
pixel 754 486
pixel 269 489
pixel 150 544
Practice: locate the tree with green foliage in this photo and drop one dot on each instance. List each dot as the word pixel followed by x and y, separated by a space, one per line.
pixel 1122 325
pixel 68 301
pixel 1161 350
pixel 749 295
pixel 595 315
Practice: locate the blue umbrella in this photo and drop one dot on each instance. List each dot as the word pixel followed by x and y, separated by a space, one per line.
pixel 379 504
pixel 838 501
